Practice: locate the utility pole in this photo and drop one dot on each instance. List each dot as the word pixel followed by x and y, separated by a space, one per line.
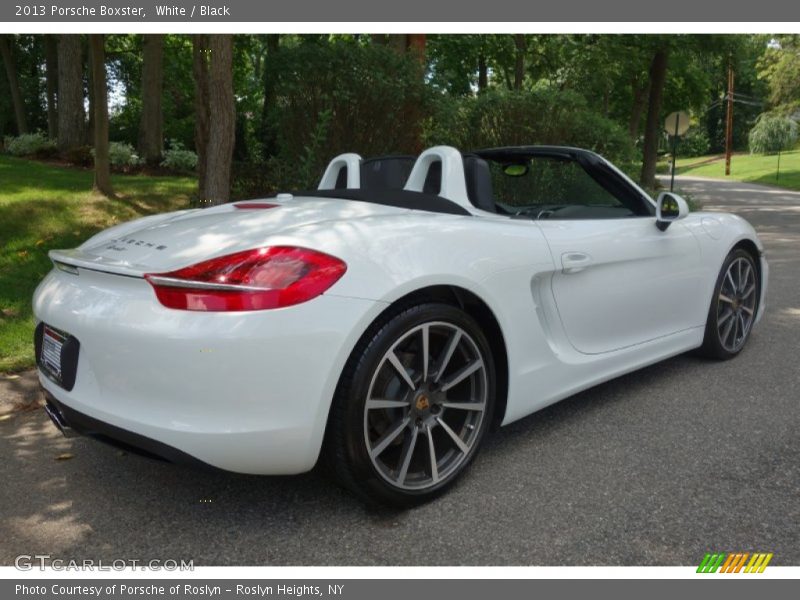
pixel 729 122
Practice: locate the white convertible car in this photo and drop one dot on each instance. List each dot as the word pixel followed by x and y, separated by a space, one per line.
pixel 385 321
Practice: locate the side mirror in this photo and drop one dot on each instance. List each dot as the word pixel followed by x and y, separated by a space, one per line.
pixel 669 207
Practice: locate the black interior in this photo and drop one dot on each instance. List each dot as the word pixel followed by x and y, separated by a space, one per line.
pixel 383 179
pixel 479 183
pixel 386 172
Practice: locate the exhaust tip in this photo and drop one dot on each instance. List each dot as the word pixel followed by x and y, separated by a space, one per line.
pixel 58 420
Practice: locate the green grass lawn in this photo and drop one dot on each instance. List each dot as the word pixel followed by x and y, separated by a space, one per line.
pixel 752 168
pixel 42 207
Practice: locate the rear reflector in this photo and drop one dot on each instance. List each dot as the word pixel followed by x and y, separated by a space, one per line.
pixel 259 279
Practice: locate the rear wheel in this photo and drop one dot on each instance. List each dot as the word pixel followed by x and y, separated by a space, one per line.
pixel 733 307
pixel 413 405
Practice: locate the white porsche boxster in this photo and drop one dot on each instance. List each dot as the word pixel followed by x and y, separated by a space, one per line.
pixel 384 322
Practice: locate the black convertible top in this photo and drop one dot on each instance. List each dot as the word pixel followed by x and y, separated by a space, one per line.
pixel 391 197
pixel 512 153
pixel 595 165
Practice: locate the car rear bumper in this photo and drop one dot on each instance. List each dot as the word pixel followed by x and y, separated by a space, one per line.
pixel 73 424
pixel 247 392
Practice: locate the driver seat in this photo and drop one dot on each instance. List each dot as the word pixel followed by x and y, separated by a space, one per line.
pixel 479 183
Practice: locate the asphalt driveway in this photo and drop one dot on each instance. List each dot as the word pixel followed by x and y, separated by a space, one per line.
pixel 657 467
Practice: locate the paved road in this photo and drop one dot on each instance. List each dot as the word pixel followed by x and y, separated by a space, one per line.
pixel 653 468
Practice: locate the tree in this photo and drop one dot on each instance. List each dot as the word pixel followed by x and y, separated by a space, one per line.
pixel 772 133
pixel 102 163
pixel 71 116
pixel 200 51
pixel 780 67
pixel 658 75
pixel 215 129
pixel 222 121
pixel 151 125
pixel 51 81
pixel 6 45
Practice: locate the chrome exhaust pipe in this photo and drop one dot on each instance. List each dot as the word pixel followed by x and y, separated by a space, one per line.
pixel 58 420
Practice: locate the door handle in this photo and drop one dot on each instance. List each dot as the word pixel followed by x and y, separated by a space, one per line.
pixel 574 262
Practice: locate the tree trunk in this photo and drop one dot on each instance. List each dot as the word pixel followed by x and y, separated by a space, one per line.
pixel 99 107
pixel 51 78
pixel 483 73
pixel 151 124
pixel 519 60
pixel 222 120
pixel 200 72
pixel 71 117
pixel 658 75
pixel 90 91
pixel 416 45
pixel 6 44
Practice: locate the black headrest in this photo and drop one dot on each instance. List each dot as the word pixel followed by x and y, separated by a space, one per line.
pixel 479 183
pixel 385 172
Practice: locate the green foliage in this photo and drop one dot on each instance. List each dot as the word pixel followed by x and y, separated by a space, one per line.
pixel 772 134
pixel 779 66
pixel 694 143
pixel 542 116
pixel 30 144
pixel 178 158
pixel 341 96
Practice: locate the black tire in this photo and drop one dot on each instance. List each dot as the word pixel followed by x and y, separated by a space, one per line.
pixel 351 427
pixel 713 344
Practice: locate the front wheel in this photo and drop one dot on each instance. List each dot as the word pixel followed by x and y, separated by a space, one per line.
pixel 413 405
pixel 733 307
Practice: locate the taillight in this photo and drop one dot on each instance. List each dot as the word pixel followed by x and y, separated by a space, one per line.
pixel 272 277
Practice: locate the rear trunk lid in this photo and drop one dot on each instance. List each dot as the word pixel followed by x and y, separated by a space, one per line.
pixel 178 240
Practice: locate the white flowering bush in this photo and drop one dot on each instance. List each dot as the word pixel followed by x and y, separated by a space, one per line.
pixel 29 144
pixel 178 158
pixel 121 154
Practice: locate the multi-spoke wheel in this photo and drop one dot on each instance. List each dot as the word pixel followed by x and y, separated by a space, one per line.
pixel 422 390
pixel 733 307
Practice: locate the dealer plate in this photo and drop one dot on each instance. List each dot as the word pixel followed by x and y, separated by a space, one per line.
pixel 52 343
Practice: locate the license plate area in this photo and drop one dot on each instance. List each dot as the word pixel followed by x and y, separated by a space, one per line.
pixel 52 345
pixel 57 355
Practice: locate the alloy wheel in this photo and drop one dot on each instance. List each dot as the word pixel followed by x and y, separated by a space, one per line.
pixel 425 406
pixel 736 304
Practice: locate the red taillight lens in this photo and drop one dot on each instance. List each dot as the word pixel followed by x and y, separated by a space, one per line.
pixel 259 279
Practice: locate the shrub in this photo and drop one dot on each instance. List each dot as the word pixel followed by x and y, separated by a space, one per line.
pixel 121 155
pixel 30 144
pixel 178 158
pixel 772 133
pixel 694 143
pixel 542 116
